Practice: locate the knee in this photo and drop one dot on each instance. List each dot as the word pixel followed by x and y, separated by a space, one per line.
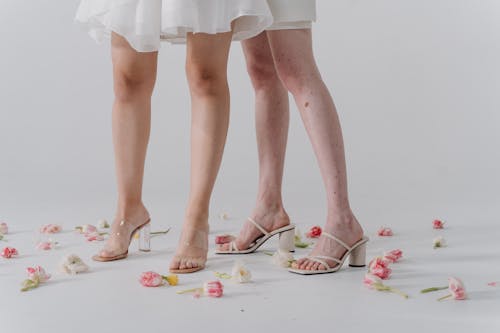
pixel 206 80
pixel 263 74
pixel 296 77
pixel 131 83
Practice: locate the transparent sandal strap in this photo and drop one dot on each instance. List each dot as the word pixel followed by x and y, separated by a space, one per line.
pixel 337 240
pixel 264 231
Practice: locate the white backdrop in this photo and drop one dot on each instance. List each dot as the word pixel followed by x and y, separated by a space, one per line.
pixel 416 84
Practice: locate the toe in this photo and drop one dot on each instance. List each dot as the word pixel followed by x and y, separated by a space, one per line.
pixel 315 266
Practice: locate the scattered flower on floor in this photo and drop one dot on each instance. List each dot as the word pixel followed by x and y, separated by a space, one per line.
pixel 374 282
pixel 298 240
pixel 240 273
pixel 9 252
pixel 4 228
pixel 439 242
pixel 384 232
pixel 314 232
pixel 86 229
pixel 73 264
pixel 493 284
pixel 455 287
pixel 48 245
pixel 393 255
pixel 94 237
pixel 50 229
pixel 380 268
pixel 103 224
pixel 283 258
pixel 210 289
pixel 224 239
pixel 36 276
pixel 153 279
pixel 438 224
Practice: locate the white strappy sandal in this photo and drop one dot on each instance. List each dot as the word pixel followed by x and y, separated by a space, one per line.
pixel 286 240
pixel 356 254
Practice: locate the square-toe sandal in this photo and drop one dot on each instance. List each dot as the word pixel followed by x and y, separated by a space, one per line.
pixel 144 231
pixel 286 240
pixel 356 254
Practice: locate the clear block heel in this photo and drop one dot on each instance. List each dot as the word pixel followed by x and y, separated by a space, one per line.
pixel 145 238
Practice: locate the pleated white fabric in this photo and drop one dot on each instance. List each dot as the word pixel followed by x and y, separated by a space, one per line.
pixel 144 23
pixel 292 14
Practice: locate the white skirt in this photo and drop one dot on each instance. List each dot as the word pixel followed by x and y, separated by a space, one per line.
pixel 144 23
pixel 292 14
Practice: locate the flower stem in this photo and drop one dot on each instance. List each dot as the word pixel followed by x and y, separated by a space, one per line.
pixel 268 253
pixel 428 290
pixel 223 275
pixel 155 233
pixel 399 292
pixel 444 297
pixel 189 291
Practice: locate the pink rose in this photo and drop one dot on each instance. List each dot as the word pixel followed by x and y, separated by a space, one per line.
pixel 37 273
pixel 224 239
pixel 384 231
pixel 9 252
pixel 213 289
pixel 438 224
pixel 151 279
pixel 393 256
pixel 379 267
pixel 314 232
pixel 94 237
pixel 4 229
pixel 50 229
pixel 44 246
pixel 456 288
pixel 370 280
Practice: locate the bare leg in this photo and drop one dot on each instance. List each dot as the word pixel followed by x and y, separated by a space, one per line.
pixel 294 60
pixel 134 79
pixel 207 57
pixel 271 120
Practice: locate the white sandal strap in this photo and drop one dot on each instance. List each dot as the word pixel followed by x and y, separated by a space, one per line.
pixel 233 247
pixel 264 231
pixel 318 260
pixel 329 258
pixel 337 240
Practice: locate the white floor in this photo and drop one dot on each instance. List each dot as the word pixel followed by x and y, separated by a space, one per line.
pixel 110 299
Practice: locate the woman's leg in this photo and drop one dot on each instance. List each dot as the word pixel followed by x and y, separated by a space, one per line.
pixel 206 68
pixel 296 66
pixel 134 79
pixel 271 122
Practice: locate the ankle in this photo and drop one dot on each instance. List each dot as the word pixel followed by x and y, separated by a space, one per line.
pixel 127 209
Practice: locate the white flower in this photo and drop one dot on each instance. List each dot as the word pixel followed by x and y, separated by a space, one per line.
pixel 439 242
pixel 282 258
pixel 73 264
pixel 240 273
pixel 103 224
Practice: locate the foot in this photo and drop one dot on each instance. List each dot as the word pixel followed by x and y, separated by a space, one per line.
pixel 191 254
pixel 270 221
pixel 345 228
pixel 121 231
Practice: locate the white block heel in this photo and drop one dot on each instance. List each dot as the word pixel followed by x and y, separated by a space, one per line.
pixel 287 240
pixel 358 256
pixel 145 238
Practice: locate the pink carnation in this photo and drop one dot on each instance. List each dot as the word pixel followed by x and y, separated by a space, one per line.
pixel 9 252
pixel 393 256
pixel 151 279
pixel 37 272
pixel 456 288
pixel 379 267
pixel 213 289
pixel 438 224
pixel 50 229
pixel 314 232
pixel 384 231
pixel 370 280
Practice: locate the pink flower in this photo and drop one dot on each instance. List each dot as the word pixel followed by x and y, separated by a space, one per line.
pixel 4 229
pixel 94 237
pixel 44 246
pixel 314 232
pixel 492 284
pixel 50 229
pixel 224 239
pixel 9 252
pixel 384 231
pixel 37 273
pixel 151 279
pixel 393 256
pixel 438 224
pixel 213 289
pixel 456 288
pixel 371 280
pixel 380 268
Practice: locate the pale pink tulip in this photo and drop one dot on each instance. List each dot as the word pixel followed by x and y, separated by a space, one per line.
pixel 151 279
pixel 213 289
pixel 456 288
pixel 37 273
